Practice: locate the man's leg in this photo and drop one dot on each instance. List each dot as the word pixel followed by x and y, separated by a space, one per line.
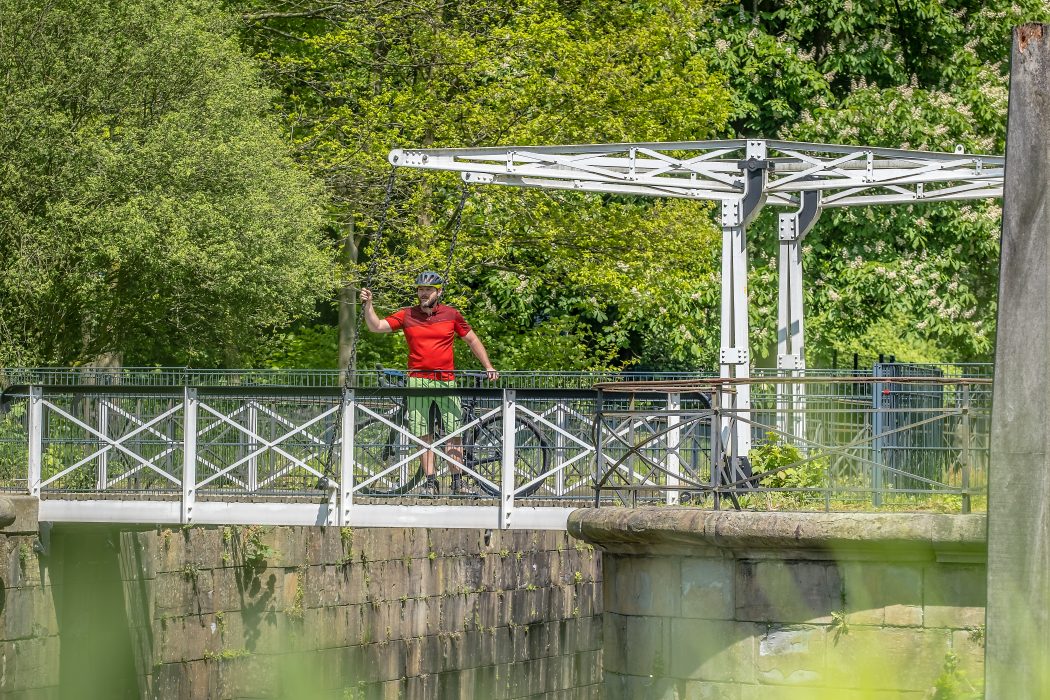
pixel 419 425
pixel 451 412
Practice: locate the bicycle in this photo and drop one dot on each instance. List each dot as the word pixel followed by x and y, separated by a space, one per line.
pixel 381 444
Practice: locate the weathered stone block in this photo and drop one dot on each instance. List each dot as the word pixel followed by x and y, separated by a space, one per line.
pixel 645 586
pixel 968 645
pixel 878 593
pixel 19 514
pixel 202 547
pixel 707 588
pixel 791 656
pixel 623 687
pixel 955 595
pixel 713 650
pixel 885 658
pixel 700 690
pixel 29 664
pixel 787 591
pixel 27 611
pixel 639 646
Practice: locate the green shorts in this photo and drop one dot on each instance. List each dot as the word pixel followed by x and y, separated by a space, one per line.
pixel 446 408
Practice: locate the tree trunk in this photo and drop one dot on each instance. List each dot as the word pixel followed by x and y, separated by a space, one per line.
pixel 348 255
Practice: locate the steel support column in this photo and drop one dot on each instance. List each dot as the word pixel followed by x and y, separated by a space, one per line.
pixel 346 458
pixel 36 439
pixel 791 353
pixel 735 353
pixel 189 455
pixel 510 410
pixel 673 462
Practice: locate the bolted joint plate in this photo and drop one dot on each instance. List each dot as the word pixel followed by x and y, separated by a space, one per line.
pixel 733 356
pixel 792 361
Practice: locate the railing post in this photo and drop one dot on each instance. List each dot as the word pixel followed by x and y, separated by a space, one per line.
pixel 189 454
pixel 510 410
pixel 965 448
pixel 673 461
pixel 716 444
pixel 599 447
pixel 878 426
pixel 102 473
pixel 346 458
pixel 561 420
pixel 253 461
pixel 36 439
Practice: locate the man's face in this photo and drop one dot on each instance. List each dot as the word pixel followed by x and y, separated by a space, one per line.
pixel 428 296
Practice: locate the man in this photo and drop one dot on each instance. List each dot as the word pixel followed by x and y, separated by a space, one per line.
pixel 430 329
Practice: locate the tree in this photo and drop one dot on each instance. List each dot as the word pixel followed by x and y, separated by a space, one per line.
pixel 585 275
pixel 148 206
pixel 919 74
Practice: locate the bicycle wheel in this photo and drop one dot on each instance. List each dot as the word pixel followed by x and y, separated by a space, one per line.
pixel 484 453
pixel 377 446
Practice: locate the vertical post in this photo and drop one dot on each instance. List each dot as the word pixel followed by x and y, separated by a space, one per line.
pixel 189 454
pixel 734 354
pixel 599 447
pixel 102 473
pixel 346 457
pixel 716 443
pixel 560 420
pixel 674 438
pixel 878 426
pixel 510 410
pixel 966 456
pixel 791 357
pixel 1018 612
pixel 253 461
pixel 36 439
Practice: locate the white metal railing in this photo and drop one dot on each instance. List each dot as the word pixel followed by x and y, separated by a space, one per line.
pixel 330 457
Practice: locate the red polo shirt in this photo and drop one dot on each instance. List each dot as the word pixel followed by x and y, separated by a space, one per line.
pixel 430 339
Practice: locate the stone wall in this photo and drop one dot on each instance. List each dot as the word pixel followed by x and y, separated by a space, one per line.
pixel 767 605
pixel 305 612
pixel 29 640
pixel 91 611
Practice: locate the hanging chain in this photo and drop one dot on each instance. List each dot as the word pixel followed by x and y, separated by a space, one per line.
pixel 373 262
pixel 351 366
pixel 455 223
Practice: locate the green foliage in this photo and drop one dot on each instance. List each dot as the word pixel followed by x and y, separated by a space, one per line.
pixel 148 209
pixel 917 281
pixel 254 551
pixel 14 444
pixel 953 684
pixel 550 281
pixel 226 654
pixel 839 624
pixel 790 468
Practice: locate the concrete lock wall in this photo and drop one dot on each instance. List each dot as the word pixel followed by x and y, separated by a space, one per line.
pixel 300 612
pixel 766 605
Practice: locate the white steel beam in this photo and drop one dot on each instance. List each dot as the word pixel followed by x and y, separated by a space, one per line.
pixel 713 170
pixel 240 513
pixel 743 175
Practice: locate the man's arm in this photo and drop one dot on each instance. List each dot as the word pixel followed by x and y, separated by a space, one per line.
pixel 374 323
pixel 474 343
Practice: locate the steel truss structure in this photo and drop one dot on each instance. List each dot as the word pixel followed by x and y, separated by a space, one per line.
pixel 743 176
pixel 315 456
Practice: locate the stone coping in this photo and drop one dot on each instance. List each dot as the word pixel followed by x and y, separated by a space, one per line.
pixel 677 530
pixel 18 515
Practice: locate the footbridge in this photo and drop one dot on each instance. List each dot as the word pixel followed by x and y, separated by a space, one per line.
pixel 254 447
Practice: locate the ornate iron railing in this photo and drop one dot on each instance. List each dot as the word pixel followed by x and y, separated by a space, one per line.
pixel 235 453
